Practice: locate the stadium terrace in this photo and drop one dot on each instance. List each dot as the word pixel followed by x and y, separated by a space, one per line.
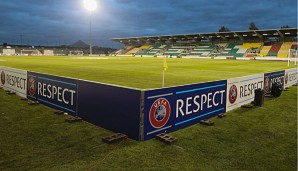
pixel 274 43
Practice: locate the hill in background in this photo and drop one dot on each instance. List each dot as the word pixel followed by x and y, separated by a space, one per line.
pixel 95 49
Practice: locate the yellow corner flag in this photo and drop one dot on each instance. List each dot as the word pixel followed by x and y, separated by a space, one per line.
pixel 165 64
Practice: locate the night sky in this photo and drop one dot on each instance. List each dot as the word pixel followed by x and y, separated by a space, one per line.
pixel 57 22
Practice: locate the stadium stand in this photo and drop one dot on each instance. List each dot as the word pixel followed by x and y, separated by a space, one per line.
pixel 145 47
pixel 265 50
pixel 294 45
pixel 155 50
pixel 203 50
pixel 231 50
pixel 251 43
pixel 132 51
pixel 144 50
pixel 274 50
pixel 126 49
pixel 284 50
pixel 218 49
pixel 173 52
pixel 180 49
pixel 250 49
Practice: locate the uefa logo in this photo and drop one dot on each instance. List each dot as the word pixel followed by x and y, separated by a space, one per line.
pixel 233 94
pixel 267 84
pixel 2 78
pixel 159 113
pixel 31 86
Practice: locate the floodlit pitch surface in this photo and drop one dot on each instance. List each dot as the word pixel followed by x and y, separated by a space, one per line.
pixel 33 138
pixel 142 73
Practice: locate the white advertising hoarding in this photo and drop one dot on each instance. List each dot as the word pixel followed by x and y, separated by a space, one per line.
pixel 241 90
pixel 14 80
pixel 290 77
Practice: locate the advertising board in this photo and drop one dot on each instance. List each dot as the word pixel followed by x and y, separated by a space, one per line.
pixel 170 109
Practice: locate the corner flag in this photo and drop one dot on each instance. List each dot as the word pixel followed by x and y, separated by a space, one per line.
pixel 165 65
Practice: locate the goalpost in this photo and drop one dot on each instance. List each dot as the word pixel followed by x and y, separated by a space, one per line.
pixel 29 52
pixel 293 53
pixel 76 53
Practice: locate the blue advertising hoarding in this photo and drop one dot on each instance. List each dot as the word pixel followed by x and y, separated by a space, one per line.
pixel 111 107
pixel 273 77
pixel 170 109
pixel 57 92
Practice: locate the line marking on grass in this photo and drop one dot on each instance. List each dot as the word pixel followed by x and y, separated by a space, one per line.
pixel 100 161
pixel 93 58
pixel 179 147
pixel 100 145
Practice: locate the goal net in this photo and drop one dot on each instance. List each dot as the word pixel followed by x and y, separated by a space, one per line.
pixel 76 53
pixel 292 56
pixel 30 52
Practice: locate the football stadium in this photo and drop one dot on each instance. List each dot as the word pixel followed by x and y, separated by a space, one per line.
pixel 222 100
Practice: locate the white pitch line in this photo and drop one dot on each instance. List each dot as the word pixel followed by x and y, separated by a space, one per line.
pixel 179 147
pixel 94 58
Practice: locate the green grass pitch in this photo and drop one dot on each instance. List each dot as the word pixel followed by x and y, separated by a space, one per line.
pixel 142 73
pixel 33 138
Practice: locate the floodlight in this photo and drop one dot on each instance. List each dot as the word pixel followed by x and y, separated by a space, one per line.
pixel 90 5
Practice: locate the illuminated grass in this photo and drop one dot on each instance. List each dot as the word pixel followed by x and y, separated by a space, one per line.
pixel 139 72
pixel 33 138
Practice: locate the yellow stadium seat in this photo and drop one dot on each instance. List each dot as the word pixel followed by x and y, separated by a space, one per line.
pixel 284 50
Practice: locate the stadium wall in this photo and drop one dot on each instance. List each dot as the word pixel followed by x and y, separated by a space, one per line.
pixel 141 114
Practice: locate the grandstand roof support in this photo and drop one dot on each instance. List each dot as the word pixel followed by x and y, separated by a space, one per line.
pixel 223 37
pixel 172 40
pixel 280 34
pixel 161 41
pixel 239 35
pixel 259 35
pixel 205 37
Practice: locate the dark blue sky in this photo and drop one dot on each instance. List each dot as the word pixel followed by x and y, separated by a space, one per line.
pixel 53 22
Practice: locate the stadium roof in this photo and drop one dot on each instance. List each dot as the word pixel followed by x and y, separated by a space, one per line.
pixel 242 35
